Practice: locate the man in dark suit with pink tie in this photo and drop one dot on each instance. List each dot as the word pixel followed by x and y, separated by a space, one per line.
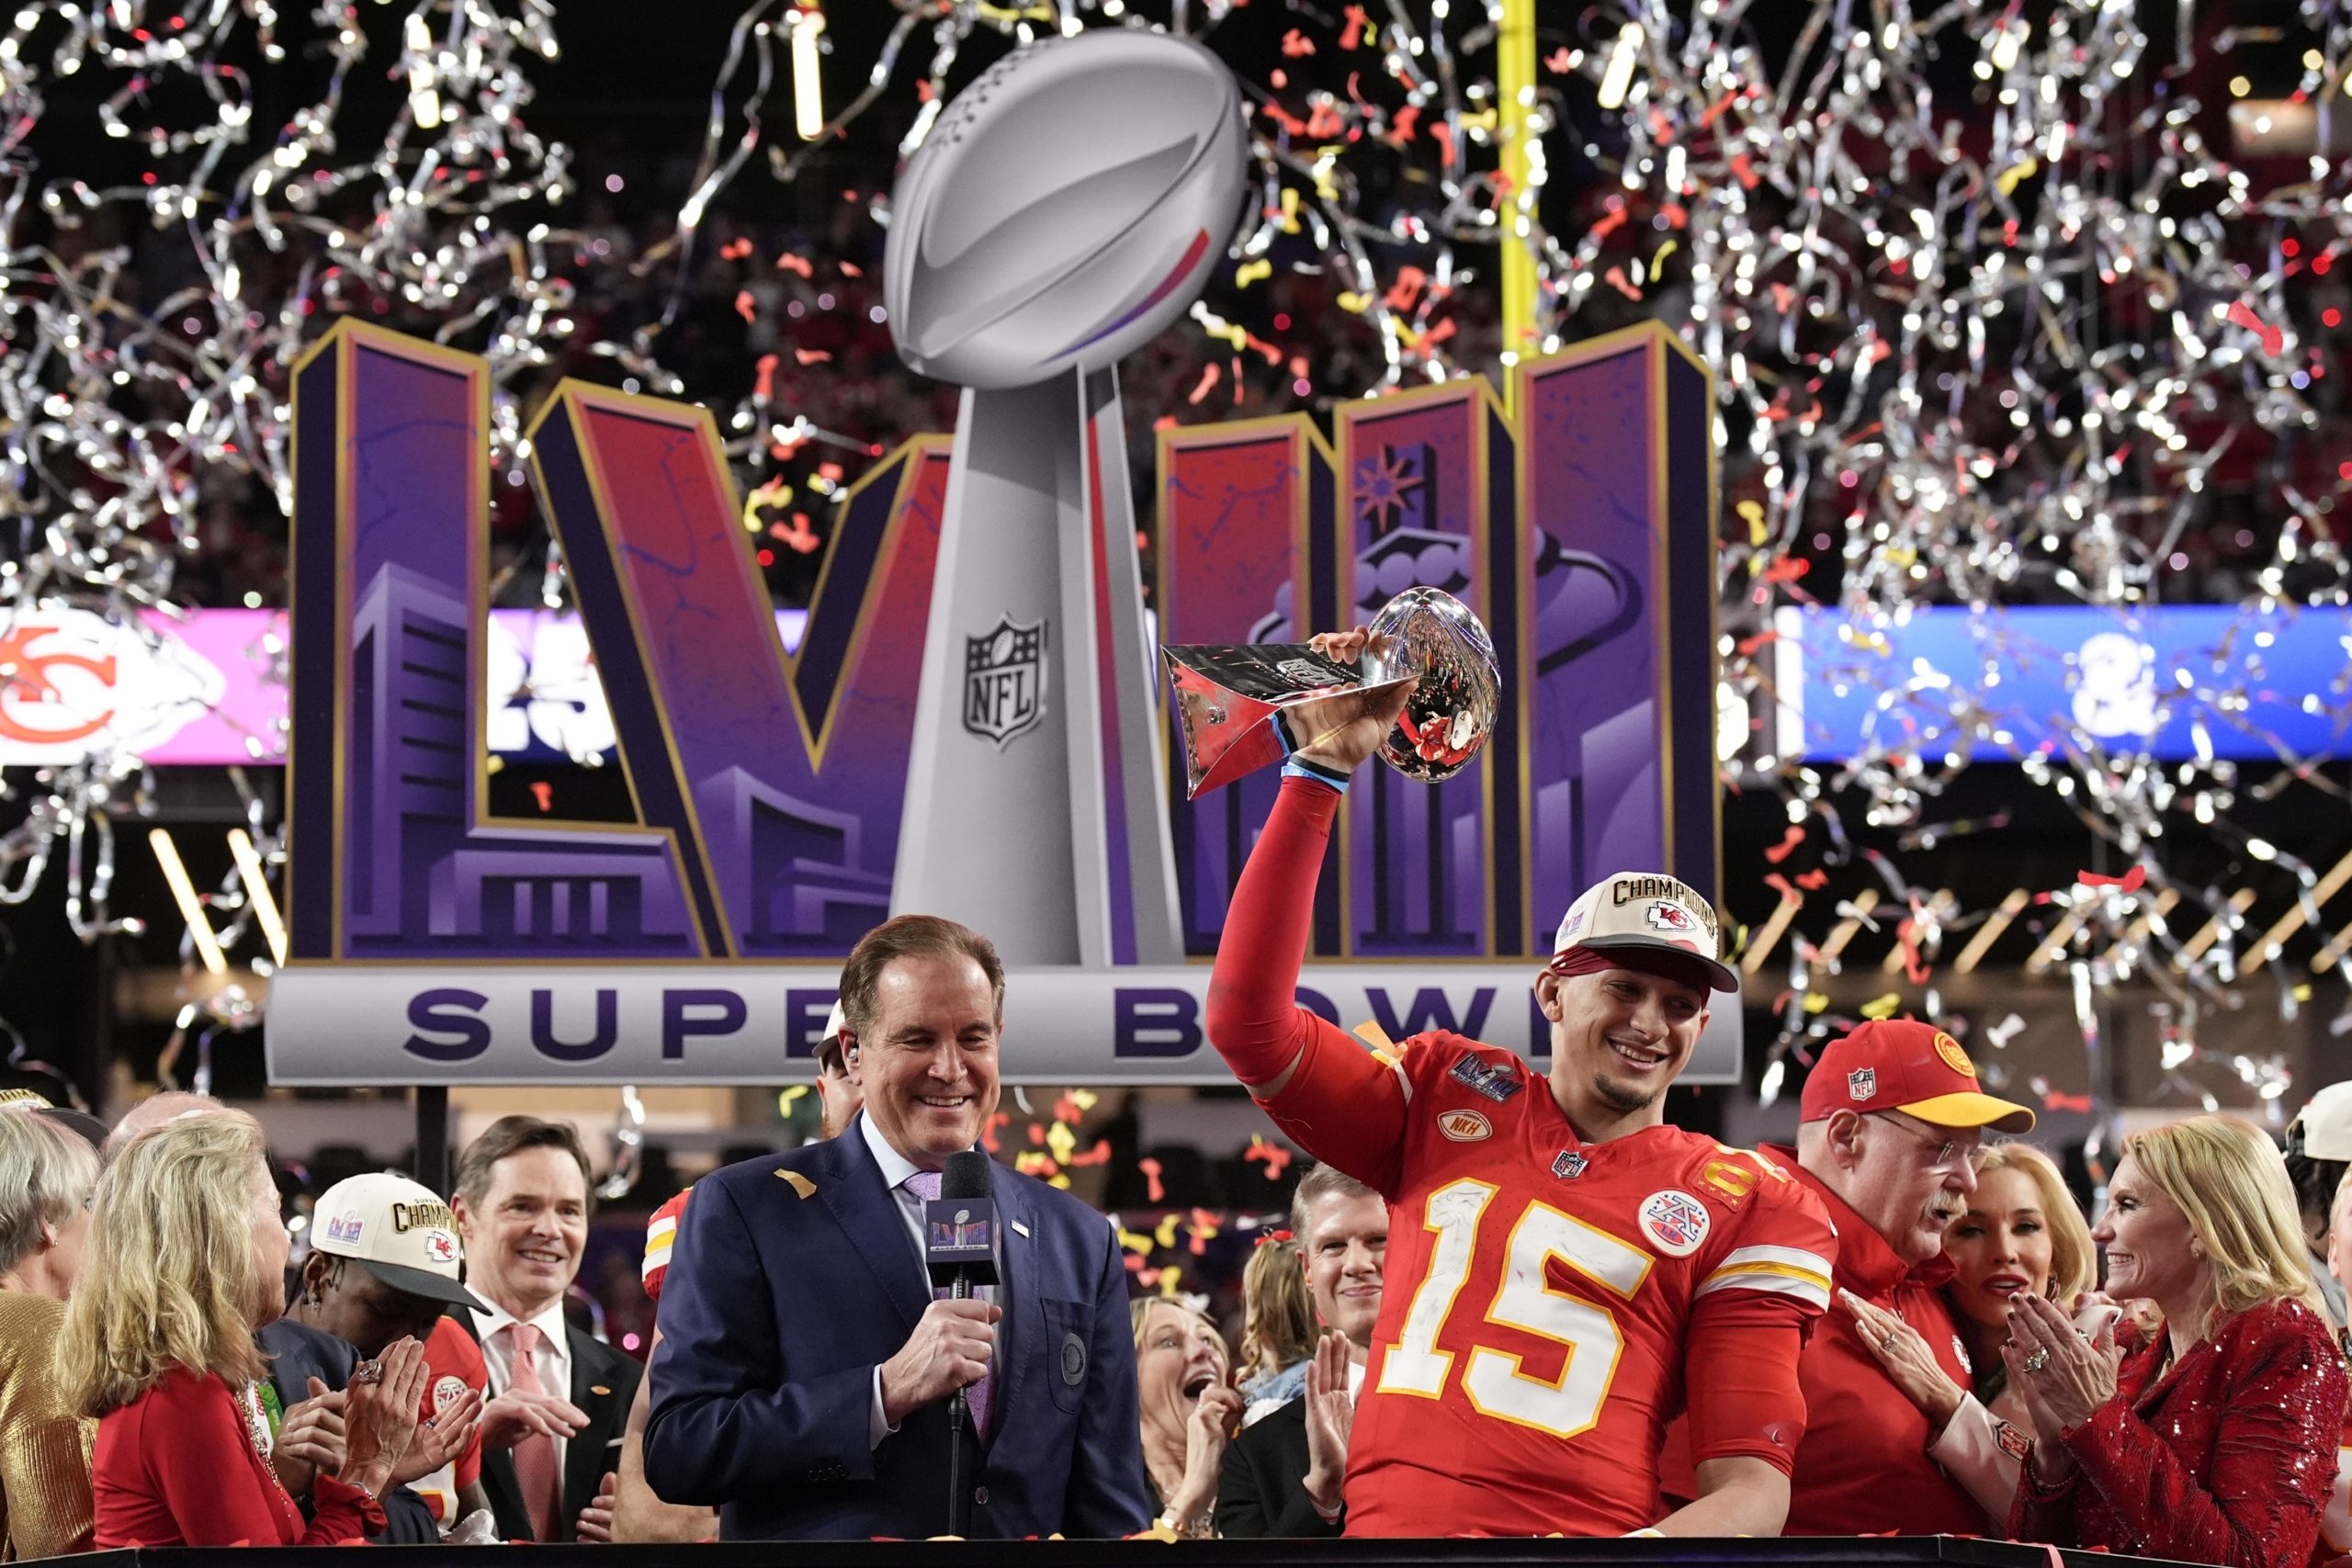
pixel 806 1369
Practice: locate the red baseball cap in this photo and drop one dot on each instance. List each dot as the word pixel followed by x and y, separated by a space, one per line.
pixel 1902 1065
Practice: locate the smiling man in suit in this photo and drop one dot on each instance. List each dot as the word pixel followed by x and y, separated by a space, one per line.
pixel 805 1369
pixel 552 1432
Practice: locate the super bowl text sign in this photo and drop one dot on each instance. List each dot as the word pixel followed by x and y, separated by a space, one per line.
pixel 434 942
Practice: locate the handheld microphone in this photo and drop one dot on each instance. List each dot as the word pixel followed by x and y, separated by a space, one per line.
pixel 959 1249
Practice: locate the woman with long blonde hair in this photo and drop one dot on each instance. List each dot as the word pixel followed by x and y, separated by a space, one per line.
pixel 2215 1443
pixel 1277 1325
pixel 186 1259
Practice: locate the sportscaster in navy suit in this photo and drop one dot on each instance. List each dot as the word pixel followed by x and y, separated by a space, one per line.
pixel 802 1381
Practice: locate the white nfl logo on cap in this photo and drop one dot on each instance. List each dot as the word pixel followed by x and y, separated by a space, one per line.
pixel 1863 1082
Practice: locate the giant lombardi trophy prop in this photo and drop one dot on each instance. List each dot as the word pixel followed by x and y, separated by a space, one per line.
pixel 1067 206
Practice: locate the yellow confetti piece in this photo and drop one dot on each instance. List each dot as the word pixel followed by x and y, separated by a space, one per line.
pixel 1290 210
pixel 1167 1278
pixel 1752 514
pixel 1816 1001
pixel 1167 1232
pixel 1249 272
pixel 786 1097
pixel 1355 303
pixel 1059 1179
pixel 1137 1242
pixel 1085 1098
pixel 2302 993
pixel 797 1182
pixel 1060 1142
pixel 2010 178
pixel 494 764
pixel 1658 261
pixel 1883 1007
pixel 1375 1036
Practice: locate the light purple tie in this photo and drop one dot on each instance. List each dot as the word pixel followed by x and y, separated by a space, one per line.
pixel 924 1184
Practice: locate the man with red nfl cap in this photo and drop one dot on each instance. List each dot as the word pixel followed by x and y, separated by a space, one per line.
pixel 1564 1271
pixel 1892 1133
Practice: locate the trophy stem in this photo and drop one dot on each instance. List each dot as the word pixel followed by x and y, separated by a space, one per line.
pixel 1034 805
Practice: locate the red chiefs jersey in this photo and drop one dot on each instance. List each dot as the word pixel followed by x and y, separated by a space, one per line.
pixel 454 1364
pixel 1538 1294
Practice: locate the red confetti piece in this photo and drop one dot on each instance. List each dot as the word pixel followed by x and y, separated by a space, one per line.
pixel 1444 135
pixel 2054 1100
pixel 745 306
pixel 790 263
pixel 764 387
pixel 813 355
pixel 1209 374
pixel 1786 847
pixel 735 250
pixel 1558 60
pixel 2129 882
pixel 1277 1159
pixel 2273 338
pixel 544 793
pixel 1296 45
pixel 1153 1190
pixel 1358 25
pixel 1407 118
pixel 1814 880
pixel 1616 278
pixel 1406 289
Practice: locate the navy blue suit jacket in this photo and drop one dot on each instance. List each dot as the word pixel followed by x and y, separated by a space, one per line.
pixel 784 1295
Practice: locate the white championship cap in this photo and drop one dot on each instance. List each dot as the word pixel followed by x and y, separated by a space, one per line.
pixel 1642 909
pixel 2326 1121
pixel 398 1231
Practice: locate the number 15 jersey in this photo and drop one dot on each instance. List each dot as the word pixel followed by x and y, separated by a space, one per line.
pixel 1539 1296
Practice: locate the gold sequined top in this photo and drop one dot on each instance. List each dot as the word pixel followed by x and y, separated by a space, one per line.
pixel 44 1446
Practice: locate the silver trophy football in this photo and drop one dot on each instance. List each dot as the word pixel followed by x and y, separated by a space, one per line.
pixel 1231 696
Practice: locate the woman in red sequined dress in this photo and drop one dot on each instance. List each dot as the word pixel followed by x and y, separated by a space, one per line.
pixel 2216 1442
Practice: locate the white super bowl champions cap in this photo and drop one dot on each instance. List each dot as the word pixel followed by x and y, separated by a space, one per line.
pixel 396 1229
pixel 1643 910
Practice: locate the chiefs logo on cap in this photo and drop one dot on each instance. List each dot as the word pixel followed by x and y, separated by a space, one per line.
pixel 1670 916
pixel 440 1246
pixel 1954 1058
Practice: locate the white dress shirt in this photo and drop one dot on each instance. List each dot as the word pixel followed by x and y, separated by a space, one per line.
pixel 896 1168
pixel 553 1358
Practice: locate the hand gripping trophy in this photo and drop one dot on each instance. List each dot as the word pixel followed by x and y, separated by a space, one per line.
pixel 1239 704
pixel 1064 209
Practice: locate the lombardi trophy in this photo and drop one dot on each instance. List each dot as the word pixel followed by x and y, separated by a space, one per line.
pixel 1065 208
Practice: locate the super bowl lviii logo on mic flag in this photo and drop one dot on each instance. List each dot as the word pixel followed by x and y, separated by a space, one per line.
pixel 970 721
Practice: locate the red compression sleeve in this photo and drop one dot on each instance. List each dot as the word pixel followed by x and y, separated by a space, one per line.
pixel 1741 1369
pixel 1341 1103
pixel 1254 1019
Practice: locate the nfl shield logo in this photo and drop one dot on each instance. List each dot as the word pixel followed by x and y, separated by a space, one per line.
pixel 1004 680
pixel 1863 1082
pixel 1569 1166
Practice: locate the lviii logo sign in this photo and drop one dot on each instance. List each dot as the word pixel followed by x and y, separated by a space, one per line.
pixel 434 941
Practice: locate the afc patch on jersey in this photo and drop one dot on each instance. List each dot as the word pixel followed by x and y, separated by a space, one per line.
pixel 1675 1221
pixel 1496 1082
pixel 447 1392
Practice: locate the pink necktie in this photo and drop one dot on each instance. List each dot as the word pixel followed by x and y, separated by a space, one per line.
pixel 924 1184
pixel 534 1467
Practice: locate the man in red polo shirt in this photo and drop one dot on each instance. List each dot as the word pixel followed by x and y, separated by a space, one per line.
pixel 1893 1134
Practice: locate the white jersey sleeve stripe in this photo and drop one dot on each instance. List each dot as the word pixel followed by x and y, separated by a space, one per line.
pixel 1789 1257
pixel 1812 1289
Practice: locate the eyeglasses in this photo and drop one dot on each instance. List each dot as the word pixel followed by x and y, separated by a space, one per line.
pixel 1947 1155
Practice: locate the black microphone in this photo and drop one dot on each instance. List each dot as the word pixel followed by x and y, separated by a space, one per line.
pixel 959 1249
